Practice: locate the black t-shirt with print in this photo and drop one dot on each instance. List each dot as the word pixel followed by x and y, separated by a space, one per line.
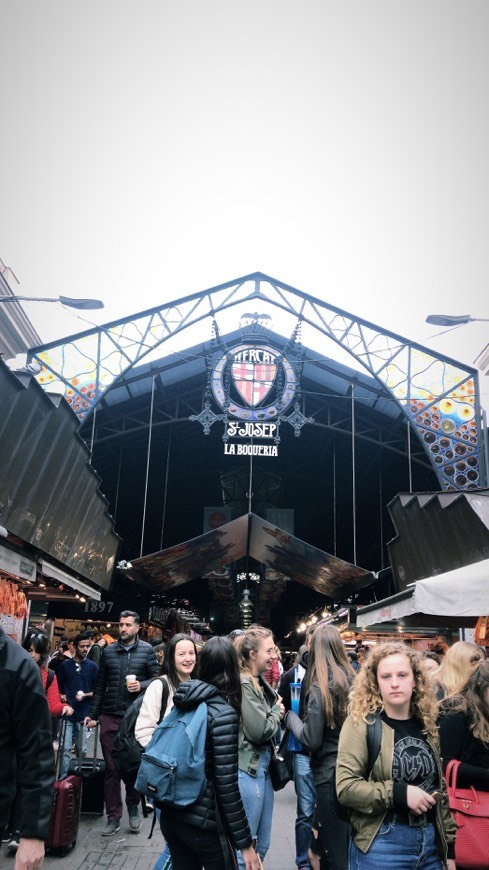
pixel 413 762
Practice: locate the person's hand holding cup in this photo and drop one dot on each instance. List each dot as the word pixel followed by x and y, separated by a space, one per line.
pixel 132 684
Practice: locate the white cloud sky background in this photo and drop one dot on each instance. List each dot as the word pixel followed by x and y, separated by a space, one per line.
pixel 151 149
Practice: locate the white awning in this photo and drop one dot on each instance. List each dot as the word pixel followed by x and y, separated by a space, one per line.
pixel 62 577
pixel 461 592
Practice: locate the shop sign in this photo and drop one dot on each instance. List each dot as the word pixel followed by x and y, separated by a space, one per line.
pixel 254 384
pixel 16 564
pixel 106 610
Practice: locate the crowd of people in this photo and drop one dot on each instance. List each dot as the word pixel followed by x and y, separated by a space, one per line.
pixel 368 739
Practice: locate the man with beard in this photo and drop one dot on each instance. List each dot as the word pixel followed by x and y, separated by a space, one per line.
pixel 76 681
pixel 130 658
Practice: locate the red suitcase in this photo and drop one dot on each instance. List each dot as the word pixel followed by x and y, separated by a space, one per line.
pixel 65 813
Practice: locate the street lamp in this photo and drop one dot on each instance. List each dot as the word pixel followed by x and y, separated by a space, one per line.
pixel 453 320
pixel 64 300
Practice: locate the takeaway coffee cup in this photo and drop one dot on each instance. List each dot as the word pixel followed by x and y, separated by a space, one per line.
pixel 130 678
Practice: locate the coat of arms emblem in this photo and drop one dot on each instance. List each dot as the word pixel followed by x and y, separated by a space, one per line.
pixel 254 382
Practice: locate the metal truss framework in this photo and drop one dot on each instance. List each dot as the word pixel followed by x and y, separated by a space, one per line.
pixel 438 396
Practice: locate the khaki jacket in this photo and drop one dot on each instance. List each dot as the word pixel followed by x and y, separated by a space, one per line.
pixel 371 799
pixel 260 718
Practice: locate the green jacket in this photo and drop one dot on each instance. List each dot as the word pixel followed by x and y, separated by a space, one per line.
pixel 371 799
pixel 260 718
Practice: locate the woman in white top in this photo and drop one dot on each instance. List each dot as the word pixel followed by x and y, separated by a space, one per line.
pixel 179 665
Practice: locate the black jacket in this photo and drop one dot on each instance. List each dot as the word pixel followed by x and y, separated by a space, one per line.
pixel 457 741
pixel 221 766
pixel 314 733
pixel 110 694
pixel 26 743
pixel 315 736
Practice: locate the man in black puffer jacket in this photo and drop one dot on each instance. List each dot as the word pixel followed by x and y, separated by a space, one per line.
pixel 185 825
pixel 112 696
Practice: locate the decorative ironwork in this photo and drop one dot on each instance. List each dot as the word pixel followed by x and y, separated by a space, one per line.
pixel 207 418
pixel 297 419
pixel 439 396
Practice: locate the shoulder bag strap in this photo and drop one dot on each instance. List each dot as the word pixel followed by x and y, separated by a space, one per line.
pixel 49 679
pixel 164 698
pixel 451 774
pixel 226 847
pixel 374 739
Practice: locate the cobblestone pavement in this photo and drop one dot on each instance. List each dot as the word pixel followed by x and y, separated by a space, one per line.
pixel 135 852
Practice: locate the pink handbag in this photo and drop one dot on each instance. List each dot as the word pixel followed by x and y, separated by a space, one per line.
pixel 470 809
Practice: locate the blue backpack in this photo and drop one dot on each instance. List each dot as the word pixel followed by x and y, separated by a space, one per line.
pixel 172 769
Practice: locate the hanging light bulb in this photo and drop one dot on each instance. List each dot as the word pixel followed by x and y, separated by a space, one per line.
pixel 246 609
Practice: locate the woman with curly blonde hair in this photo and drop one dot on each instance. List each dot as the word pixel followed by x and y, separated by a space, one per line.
pixel 458 665
pixel 399 814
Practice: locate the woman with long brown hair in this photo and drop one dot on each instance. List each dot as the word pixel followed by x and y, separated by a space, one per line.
pixel 192 832
pixel 328 681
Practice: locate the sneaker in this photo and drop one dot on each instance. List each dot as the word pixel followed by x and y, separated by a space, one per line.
pixel 111 828
pixel 13 844
pixel 7 836
pixel 134 819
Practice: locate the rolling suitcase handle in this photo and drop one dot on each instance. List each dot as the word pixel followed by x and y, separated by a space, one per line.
pixel 95 734
pixel 61 745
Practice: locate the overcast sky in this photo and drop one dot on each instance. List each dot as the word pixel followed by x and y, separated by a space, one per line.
pixel 152 149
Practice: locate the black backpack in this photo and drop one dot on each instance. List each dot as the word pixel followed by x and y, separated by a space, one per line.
pixel 374 739
pixel 126 751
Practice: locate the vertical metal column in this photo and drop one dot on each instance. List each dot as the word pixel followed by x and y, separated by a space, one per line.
pixel 381 513
pixel 409 456
pixel 116 501
pixel 353 476
pixel 334 495
pixel 148 457
pixel 92 437
pixel 165 494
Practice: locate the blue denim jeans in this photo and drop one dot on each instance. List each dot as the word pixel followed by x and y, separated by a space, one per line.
pixel 306 799
pixel 399 847
pixel 75 733
pixel 257 796
pixel 162 861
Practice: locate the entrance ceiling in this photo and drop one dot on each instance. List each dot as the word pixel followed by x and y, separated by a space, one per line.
pixel 282 558
pixel 249 536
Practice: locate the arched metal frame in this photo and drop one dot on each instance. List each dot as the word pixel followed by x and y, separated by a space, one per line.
pixel 439 397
